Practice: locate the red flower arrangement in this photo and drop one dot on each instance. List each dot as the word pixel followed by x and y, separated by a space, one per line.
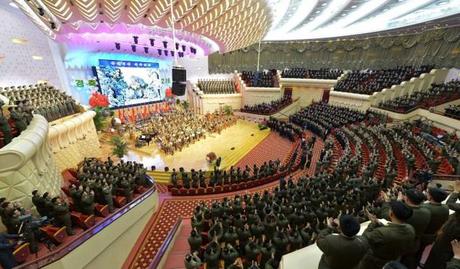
pixel 98 100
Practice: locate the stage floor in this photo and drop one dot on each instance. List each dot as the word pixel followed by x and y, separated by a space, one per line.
pixel 242 137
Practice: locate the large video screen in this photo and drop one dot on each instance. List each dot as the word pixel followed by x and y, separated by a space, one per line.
pixel 130 83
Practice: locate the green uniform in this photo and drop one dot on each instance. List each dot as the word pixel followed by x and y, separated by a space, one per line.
pixel 386 243
pixel 62 216
pixel 339 251
pixel 453 264
pixel 439 215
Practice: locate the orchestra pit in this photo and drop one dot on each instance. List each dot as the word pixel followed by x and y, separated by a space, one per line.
pixel 230 134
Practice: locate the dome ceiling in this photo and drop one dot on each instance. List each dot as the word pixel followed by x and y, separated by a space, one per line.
pixel 315 19
pixel 223 25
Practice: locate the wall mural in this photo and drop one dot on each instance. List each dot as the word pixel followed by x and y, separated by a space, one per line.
pixel 439 47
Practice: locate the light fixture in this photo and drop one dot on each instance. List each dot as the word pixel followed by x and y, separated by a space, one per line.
pixel 18 40
pixel 37 58
pixel 13 4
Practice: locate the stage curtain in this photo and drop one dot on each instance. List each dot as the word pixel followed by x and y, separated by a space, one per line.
pixel 438 47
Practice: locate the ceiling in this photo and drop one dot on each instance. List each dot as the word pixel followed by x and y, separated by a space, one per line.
pixel 317 19
pixel 211 25
pixel 224 25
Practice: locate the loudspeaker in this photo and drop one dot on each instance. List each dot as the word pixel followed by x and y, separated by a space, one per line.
pixel 179 74
pixel 178 88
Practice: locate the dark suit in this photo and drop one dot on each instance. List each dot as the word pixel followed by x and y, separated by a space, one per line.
pixel 339 251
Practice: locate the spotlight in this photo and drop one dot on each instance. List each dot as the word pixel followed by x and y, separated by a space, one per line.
pixel 183 47
pixel 136 39
pixel 165 44
pixel 152 42
pixel 166 52
pixel 159 51
pixel 181 54
pixel 146 49
pixel 172 53
pixel 133 48
pixel 117 46
pixel 53 25
pixel 177 46
pixel 41 12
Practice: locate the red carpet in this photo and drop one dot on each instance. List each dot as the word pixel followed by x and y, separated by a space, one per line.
pixel 271 148
pixel 171 208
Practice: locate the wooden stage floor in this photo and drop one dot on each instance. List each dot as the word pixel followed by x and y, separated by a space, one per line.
pixel 242 137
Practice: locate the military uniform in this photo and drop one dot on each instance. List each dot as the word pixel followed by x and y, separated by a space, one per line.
pixel 62 216
pixel 386 243
pixel 340 251
pixel 439 215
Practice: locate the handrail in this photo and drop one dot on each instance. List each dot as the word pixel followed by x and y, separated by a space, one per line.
pixel 162 250
pixel 445 177
pixel 61 251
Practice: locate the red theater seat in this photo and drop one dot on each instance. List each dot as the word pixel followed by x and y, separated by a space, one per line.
pixel 119 201
pixel 21 253
pixel 102 210
pixel 55 234
pixel 82 220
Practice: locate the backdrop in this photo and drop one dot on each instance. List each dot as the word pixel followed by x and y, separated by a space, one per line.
pixel 439 47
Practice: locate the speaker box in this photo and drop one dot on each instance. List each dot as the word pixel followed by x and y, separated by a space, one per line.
pixel 179 74
pixel 178 88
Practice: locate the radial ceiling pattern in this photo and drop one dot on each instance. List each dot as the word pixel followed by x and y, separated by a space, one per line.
pixel 314 19
pixel 229 24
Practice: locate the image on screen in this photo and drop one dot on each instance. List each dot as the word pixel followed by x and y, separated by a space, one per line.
pixel 130 83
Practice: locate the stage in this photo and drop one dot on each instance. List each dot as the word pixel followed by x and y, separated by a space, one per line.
pixel 232 144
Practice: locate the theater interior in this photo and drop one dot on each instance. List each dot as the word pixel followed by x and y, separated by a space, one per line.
pixel 230 134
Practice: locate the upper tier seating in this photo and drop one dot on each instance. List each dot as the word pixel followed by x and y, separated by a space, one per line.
pixel 453 111
pixel 268 108
pixel 436 95
pixel 12 125
pixel 320 118
pixel 267 78
pixel 43 99
pixel 323 73
pixel 217 86
pixel 369 81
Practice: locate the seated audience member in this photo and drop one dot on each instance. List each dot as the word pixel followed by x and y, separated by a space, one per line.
pixel 266 78
pixel 192 261
pixel 7 259
pixel 323 73
pixel 388 242
pixel 343 250
pixel 369 81
pixel 436 95
pixel 268 108
pixel 215 86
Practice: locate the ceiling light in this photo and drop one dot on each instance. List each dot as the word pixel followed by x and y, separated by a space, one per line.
pixel 323 4
pixel 318 11
pixel 19 40
pixel 12 4
pixel 37 58
pixel 353 6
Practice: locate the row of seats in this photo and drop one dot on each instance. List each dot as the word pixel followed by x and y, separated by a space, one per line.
pixel 301 72
pixel 453 111
pixel 266 78
pixel 268 108
pixel 369 81
pixel 216 86
pixel 436 95
pixel 42 99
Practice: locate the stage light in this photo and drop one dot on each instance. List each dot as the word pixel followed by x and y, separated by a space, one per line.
pixel 53 25
pixel 133 48
pixel 159 51
pixel 146 49
pixel 136 39
pixel 177 46
pixel 165 44
pixel 172 53
pixel 41 12
pixel 166 52
pixel 184 47
pixel 152 42
pixel 181 54
pixel 117 46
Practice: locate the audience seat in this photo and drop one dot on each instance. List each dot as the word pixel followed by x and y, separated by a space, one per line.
pixel 55 234
pixel 83 221
pixel 21 253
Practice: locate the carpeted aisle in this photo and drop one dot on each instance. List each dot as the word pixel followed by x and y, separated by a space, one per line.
pixel 171 208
